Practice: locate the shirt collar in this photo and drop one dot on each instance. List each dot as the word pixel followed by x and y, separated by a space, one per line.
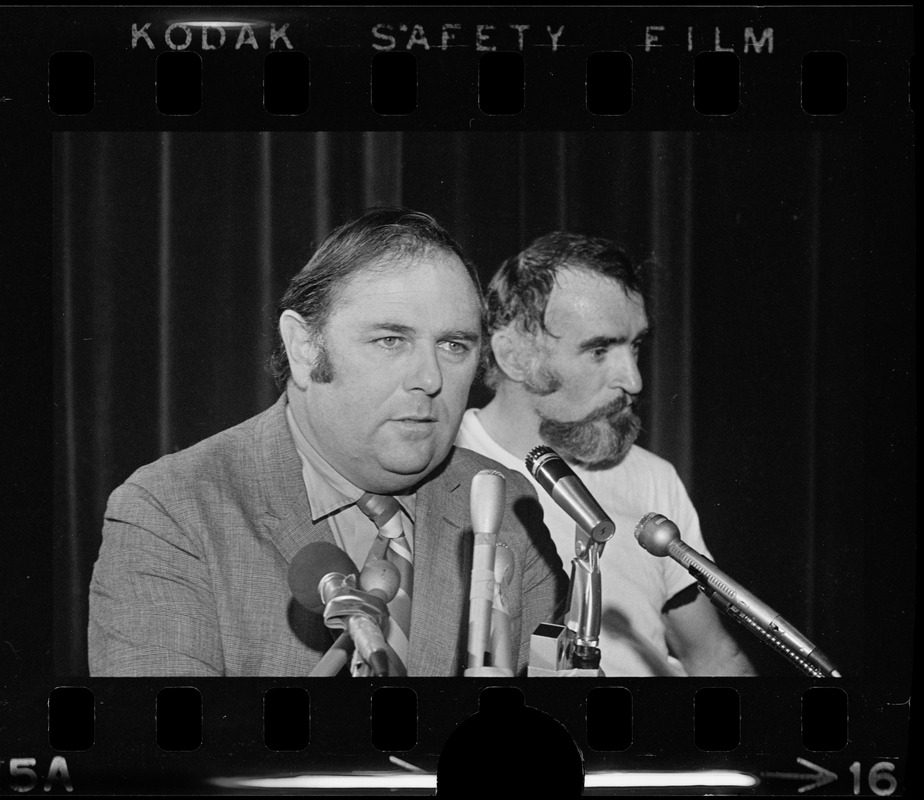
pixel 328 491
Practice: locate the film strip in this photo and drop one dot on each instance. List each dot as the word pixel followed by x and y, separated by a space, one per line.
pixel 161 136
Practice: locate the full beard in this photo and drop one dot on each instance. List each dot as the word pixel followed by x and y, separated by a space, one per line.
pixel 600 440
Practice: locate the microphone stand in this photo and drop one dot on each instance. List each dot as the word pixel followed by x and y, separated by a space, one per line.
pixel 582 620
pixel 335 659
pixel 573 650
pixel 578 652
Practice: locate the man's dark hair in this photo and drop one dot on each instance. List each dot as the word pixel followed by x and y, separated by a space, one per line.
pixel 378 238
pixel 519 292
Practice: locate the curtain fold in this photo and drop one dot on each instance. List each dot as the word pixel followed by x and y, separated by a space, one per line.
pixel 668 414
pixel 172 250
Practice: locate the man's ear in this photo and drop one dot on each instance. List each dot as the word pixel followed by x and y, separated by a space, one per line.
pixel 301 346
pixel 514 352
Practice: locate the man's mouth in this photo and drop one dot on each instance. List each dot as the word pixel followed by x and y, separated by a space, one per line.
pixel 618 408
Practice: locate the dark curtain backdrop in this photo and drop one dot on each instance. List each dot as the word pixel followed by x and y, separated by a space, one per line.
pixel 173 248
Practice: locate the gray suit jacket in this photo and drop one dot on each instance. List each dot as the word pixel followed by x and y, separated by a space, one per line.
pixel 191 577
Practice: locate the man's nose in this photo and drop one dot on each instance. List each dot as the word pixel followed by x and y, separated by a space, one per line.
pixel 626 375
pixel 424 374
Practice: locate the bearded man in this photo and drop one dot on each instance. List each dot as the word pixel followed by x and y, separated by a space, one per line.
pixel 566 319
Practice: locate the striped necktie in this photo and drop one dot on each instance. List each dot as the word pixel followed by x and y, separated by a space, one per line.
pixel 392 544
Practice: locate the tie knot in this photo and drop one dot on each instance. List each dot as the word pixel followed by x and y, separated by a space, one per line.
pixel 380 508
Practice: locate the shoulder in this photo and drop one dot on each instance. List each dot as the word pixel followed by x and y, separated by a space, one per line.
pixel 223 459
pixel 465 464
pixel 523 509
pixel 461 459
pixel 470 434
pixel 649 481
pixel 645 458
pixel 644 462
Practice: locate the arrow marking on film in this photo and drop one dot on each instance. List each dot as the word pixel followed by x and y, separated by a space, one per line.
pixel 819 775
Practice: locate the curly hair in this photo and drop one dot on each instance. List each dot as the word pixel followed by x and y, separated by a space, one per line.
pixel 519 292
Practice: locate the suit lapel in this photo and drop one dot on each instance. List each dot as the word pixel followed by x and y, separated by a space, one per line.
pixel 441 581
pixel 287 518
pixel 442 550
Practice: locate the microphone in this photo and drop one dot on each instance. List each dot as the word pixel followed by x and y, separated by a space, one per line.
pixel 322 578
pixel 661 537
pixel 380 578
pixel 566 488
pixel 314 563
pixel 487 510
pixel 502 655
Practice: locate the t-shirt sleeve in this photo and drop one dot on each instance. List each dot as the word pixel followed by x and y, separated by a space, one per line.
pixel 683 514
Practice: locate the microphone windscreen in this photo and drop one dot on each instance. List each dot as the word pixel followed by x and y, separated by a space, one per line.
pixel 312 563
pixel 655 532
pixel 380 576
pixel 545 465
pixel 488 492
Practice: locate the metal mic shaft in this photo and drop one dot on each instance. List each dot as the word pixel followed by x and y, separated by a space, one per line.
pixel 764 635
pixel 661 537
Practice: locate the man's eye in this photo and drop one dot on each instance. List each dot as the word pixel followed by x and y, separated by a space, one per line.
pixel 456 348
pixel 389 342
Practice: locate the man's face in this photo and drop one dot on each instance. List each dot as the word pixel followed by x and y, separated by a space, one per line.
pixel 586 375
pixel 402 343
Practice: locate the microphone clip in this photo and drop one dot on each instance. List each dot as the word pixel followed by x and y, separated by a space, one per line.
pixel 583 617
pixel 348 601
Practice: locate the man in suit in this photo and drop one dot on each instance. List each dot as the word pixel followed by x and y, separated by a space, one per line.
pixel 380 336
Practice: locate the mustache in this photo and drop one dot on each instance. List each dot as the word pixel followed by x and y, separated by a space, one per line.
pixel 599 440
pixel 612 409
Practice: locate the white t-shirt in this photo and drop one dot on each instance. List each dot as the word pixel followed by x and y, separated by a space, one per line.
pixel 635 584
